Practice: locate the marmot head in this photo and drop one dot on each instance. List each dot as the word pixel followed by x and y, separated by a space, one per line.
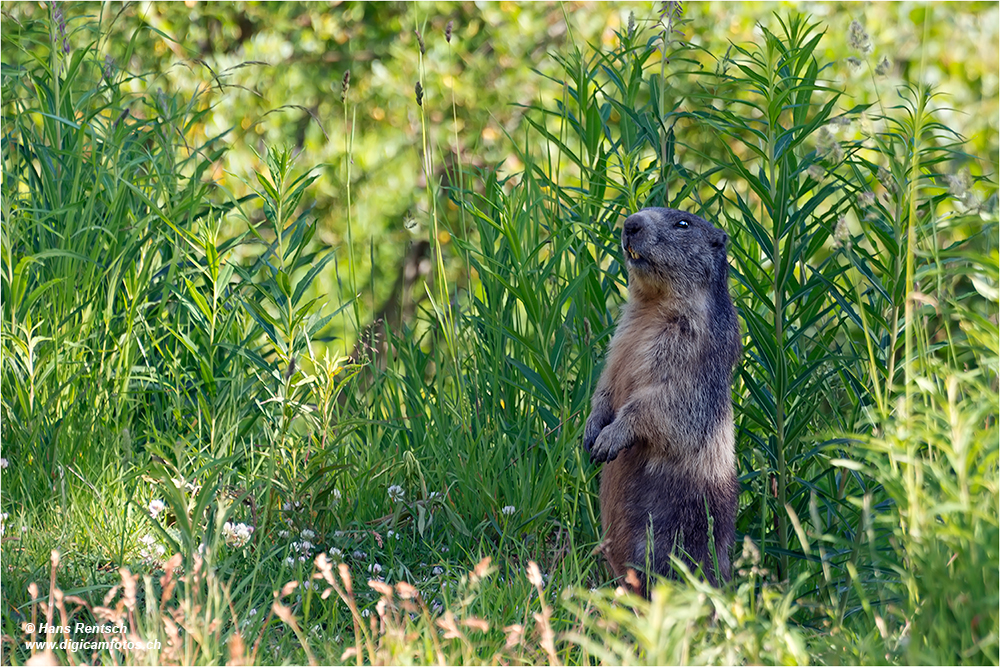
pixel 671 251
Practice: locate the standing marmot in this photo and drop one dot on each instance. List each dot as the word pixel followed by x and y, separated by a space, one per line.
pixel 662 415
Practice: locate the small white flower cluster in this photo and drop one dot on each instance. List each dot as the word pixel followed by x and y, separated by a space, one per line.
pixel 3 464
pixel 249 619
pixel 3 520
pixel 375 568
pixel 304 548
pixel 396 493
pixel 508 510
pixel 156 506
pixel 236 535
pixel 151 550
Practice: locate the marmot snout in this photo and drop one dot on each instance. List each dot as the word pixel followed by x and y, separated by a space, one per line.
pixel 661 414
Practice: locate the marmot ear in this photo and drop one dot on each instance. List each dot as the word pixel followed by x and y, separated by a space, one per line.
pixel 719 239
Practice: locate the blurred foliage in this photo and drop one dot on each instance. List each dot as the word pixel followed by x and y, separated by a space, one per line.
pixel 272 74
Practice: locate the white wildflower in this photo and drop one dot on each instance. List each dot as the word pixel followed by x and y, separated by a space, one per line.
pixel 308 534
pixel 437 570
pixel 3 464
pixel 336 553
pixel 237 535
pixel 290 561
pixel 396 493
pixel 508 510
pixel 336 495
pixel 284 534
pixel 156 506
pixel 305 545
pixel 375 568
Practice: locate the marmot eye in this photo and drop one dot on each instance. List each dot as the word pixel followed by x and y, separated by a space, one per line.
pixel 683 224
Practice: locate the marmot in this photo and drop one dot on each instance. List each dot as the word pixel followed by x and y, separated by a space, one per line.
pixel 661 416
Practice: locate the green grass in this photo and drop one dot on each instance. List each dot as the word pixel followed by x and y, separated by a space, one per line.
pixel 148 356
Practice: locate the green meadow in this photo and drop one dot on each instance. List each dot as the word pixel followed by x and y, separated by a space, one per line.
pixel 303 306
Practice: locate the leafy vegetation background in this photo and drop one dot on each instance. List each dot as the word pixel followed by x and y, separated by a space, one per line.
pixel 297 297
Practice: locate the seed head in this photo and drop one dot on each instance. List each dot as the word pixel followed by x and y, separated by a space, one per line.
pixel 420 41
pixel 841 233
pixel 886 179
pixel 858 39
pixel 855 63
pixel 420 94
pixel 960 187
pixel 447 31
pixel 883 66
pixel 829 146
pixel 59 19
pixel 345 85
pixel 631 23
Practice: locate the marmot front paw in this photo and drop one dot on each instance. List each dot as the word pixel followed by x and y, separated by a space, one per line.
pixel 595 423
pixel 610 443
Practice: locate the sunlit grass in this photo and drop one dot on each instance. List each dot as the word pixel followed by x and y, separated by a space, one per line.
pixel 177 431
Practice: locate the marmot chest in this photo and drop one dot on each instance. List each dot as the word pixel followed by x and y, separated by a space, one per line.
pixel 650 350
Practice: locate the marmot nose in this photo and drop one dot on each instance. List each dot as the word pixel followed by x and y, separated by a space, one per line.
pixel 633 224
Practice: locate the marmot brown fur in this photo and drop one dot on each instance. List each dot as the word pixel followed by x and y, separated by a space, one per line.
pixel 661 416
